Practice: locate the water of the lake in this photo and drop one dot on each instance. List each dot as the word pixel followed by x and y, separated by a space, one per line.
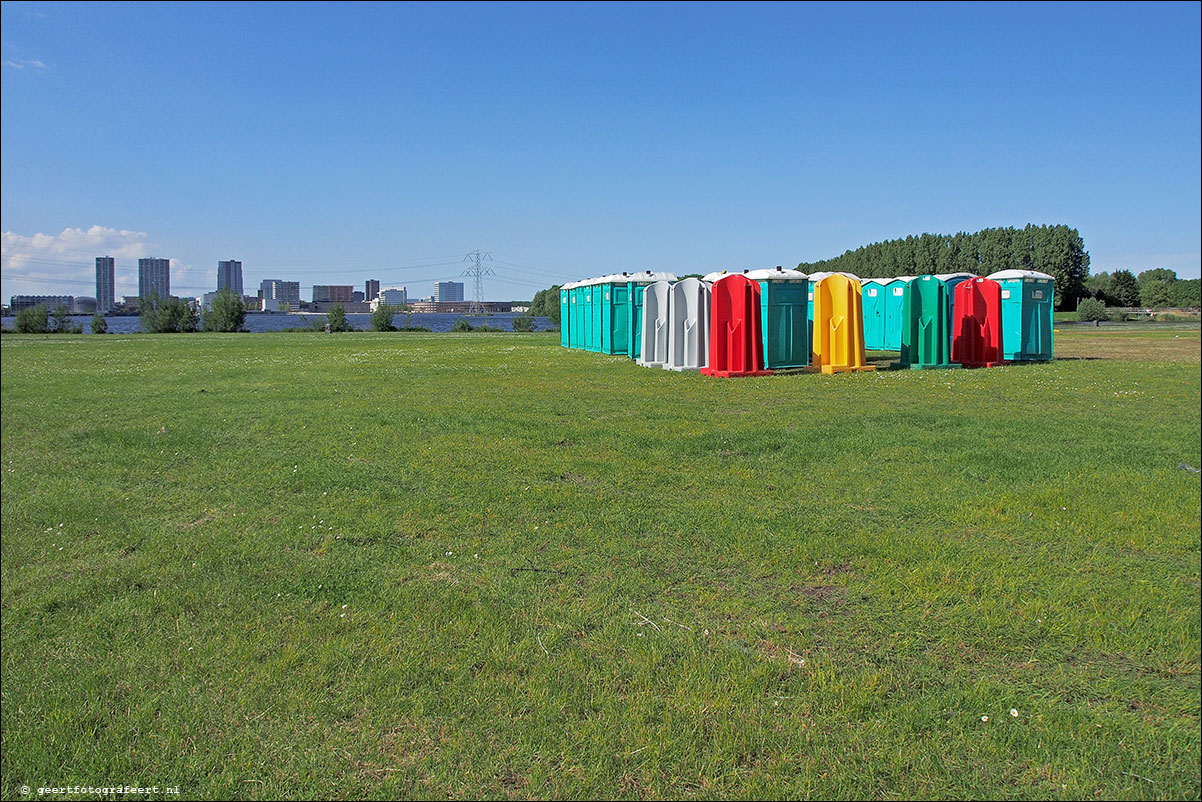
pixel 273 321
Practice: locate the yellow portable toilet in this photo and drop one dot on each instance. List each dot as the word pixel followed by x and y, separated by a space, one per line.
pixel 838 345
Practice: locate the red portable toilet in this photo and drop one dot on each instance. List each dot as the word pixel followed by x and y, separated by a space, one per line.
pixel 736 348
pixel 977 325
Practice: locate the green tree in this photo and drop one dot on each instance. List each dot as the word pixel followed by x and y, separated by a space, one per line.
pixel 336 318
pixel 1090 309
pixel 1125 288
pixel 523 323
pixel 381 319
pixel 167 316
pixel 61 323
pixel 462 325
pixel 99 324
pixel 1156 294
pixel 1187 293
pixel 32 320
pixel 546 304
pixel 226 313
pixel 1158 274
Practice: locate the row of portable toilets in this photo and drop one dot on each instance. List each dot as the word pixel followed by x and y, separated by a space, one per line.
pixel 758 321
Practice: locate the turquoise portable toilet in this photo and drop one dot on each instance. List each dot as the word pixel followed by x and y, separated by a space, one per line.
pixel 576 339
pixel 592 315
pixel 639 281
pixel 615 313
pixel 784 317
pixel 953 280
pixel 1027 298
pixel 874 312
pixel 565 315
pixel 894 313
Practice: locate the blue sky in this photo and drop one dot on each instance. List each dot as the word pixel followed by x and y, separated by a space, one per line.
pixel 335 143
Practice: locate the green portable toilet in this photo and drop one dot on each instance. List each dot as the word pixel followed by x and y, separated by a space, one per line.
pixel 926 338
pixel 953 280
pixel 784 317
pixel 592 315
pixel 565 315
pixel 1027 298
pixel 638 284
pixel 874 312
pixel 894 311
pixel 615 314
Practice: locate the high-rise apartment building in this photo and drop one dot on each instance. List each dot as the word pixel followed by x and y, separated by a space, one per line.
pixel 274 289
pixel 333 293
pixel 106 272
pixel 371 290
pixel 448 291
pixel 229 275
pixel 154 278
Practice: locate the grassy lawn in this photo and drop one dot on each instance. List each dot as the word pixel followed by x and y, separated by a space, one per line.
pixel 406 565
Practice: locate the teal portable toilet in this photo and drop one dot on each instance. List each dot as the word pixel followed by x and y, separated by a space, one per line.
pixel 785 323
pixel 894 311
pixel 874 312
pixel 615 314
pixel 1027 298
pixel 953 280
pixel 565 315
pixel 578 316
pixel 592 315
pixel 638 283
pixel 926 340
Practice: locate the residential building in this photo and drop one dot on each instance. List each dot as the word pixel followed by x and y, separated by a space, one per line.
pixel 333 293
pixel 229 276
pixel 106 283
pixel 274 289
pixel 52 302
pixel 371 290
pixel 445 291
pixel 394 296
pixel 154 278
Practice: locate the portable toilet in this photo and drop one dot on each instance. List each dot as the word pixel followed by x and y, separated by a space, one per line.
pixel 953 280
pixel 874 293
pixel 576 338
pixel 653 331
pixel 926 325
pixel 688 325
pixel 895 299
pixel 814 279
pixel 977 324
pixel 838 339
pixel 615 313
pixel 565 315
pixel 639 281
pixel 784 317
pixel 592 315
pixel 736 344
pixel 1027 298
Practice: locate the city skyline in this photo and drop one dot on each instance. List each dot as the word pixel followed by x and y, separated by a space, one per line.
pixel 600 138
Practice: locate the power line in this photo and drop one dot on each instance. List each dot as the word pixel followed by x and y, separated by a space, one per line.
pixel 479 272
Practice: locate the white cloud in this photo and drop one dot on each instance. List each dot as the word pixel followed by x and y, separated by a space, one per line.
pixel 65 263
pixel 23 63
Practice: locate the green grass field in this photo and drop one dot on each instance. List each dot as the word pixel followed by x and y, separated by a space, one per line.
pixel 406 565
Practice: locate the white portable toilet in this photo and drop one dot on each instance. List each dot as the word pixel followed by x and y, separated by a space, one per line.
pixel 653 338
pixel 688 325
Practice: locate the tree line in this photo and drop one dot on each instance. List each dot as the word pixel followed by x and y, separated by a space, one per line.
pixel 1056 250
pixel 1154 289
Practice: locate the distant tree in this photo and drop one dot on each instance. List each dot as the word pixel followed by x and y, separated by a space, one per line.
pixel 1090 309
pixel 160 316
pixel 381 319
pixel 523 323
pixel 1158 274
pixel 226 313
pixel 61 323
pixel 546 303
pixel 462 325
pixel 1187 293
pixel 1156 294
pixel 32 320
pixel 1125 288
pixel 99 324
pixel 1099 286
pixel 336 318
